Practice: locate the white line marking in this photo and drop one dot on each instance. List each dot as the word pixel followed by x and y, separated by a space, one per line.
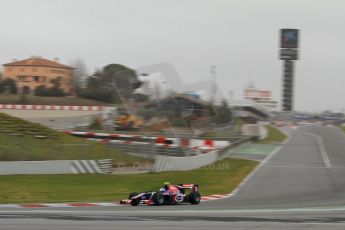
pixel 321 148
pixel 220 211
pixel 106 204
pixel 10 206
pixel 300 166
pixel 56 205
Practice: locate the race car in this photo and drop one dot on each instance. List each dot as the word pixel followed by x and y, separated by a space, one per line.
pixel 168 195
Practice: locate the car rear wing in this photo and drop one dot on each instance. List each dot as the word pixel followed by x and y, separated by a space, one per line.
pixel 193 187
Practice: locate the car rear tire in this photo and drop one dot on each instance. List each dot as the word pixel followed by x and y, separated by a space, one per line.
pixel 158 198
pixel 194 197
pixel 134 202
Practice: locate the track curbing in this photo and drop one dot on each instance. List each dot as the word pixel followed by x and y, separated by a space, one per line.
pixel 91 204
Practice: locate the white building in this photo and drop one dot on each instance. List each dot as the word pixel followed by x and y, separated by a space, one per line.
pixel 261 97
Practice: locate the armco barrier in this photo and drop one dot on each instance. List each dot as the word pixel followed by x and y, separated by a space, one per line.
pixel 163 163
pixel 52 107
pixel 54 167
pixel 149 149
pixel 123 137
pixel 153 144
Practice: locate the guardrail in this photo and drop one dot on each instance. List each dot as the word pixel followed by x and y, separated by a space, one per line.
pixel 150 150
pixel 150 146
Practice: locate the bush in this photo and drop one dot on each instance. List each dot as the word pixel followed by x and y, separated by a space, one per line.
pixel 23 99
pixel 8 86
pixel 49 92
pixel 223 113
pixel 103 95
pixel 179 122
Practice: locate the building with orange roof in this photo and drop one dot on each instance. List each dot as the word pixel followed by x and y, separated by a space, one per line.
pixel 35 71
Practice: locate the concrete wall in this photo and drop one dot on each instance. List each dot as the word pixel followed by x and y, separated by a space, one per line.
pixel 54 167
pixel 163 163
pixel 35 167
pixel 255 130
pixel 263 132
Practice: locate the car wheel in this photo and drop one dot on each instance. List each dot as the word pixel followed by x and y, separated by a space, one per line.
pixel 194 197
pixel 135 202
pixel 158 198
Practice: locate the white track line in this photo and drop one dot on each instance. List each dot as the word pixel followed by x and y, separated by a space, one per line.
pixel 321 148
pixel 151 211
pixel 9 206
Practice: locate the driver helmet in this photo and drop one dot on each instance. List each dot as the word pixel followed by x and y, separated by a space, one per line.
pixel 166 185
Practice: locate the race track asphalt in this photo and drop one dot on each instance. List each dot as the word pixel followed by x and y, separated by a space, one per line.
pixel 297 175
pixel 301 186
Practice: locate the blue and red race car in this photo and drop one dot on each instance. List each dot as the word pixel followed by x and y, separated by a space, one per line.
pixel 168 195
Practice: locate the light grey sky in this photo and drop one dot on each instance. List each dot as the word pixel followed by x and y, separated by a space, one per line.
pixel 239 37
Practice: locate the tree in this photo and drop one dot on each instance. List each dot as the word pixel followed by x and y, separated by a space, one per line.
pixel 8 85
pixel 23 98
pixel 223 113
pixel 56 82
pixel 123 79
pixel 40 90
pixel 140 97
pixel 111 84
pixel 53 91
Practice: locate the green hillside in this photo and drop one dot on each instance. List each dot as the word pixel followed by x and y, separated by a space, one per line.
pixel 23 140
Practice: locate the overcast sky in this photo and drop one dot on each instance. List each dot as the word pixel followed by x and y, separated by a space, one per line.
pixel 239 37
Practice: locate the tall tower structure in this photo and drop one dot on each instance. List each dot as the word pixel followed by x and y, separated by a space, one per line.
pixel 289 39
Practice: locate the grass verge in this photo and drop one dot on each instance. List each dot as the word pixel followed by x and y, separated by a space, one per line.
pixel 274 135
pixel 23 140
pixel 342 127
pixel 220 177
